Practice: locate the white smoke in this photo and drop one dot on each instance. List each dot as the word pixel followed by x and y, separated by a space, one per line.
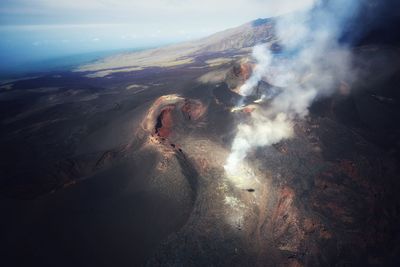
pixel 261 131
pixel 264 58
pixel 313 65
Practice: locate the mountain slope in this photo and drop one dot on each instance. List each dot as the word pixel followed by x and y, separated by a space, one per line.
pixel 236 40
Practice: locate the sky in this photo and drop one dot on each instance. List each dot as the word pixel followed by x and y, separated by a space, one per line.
pixel 37 30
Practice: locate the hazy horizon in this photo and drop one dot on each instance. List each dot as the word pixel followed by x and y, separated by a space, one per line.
pixel 44 30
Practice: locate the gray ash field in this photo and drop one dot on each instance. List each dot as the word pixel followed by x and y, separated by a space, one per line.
pixel 126 167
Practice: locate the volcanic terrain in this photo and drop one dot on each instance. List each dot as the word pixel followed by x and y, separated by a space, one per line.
pixel 121 163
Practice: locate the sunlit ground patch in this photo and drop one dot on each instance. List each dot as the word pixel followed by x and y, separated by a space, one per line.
pixel 242 176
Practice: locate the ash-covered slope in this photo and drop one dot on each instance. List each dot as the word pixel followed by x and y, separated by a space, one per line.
pixel 138 175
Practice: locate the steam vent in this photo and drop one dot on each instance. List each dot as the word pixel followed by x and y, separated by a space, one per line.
pixel 275 143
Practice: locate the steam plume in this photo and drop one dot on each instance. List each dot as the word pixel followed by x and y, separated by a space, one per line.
pixel 312 65
pixel 263 57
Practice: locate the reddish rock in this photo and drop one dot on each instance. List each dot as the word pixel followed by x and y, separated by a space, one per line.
pixel 165 122
pixel 193 109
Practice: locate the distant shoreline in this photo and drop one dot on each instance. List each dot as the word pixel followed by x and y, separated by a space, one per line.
pixel 63 63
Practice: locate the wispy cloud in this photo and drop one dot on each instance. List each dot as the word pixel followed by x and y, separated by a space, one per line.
pixel 152 10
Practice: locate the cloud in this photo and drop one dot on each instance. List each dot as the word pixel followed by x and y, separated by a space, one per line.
pixel 178 5
pixel 155 10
